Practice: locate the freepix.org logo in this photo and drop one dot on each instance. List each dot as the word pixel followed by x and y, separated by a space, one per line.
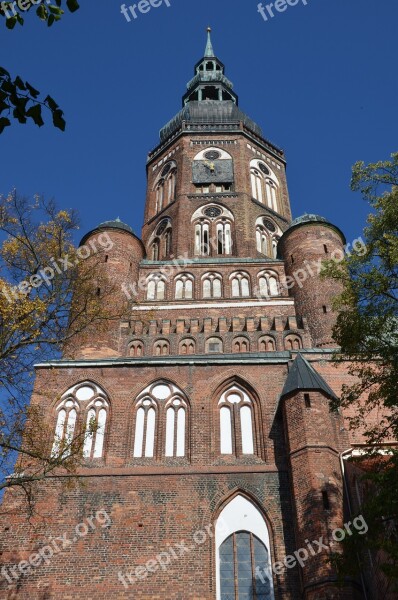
pixel 269 10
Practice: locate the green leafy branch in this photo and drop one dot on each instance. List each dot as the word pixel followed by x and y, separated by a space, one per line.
pixel 19 99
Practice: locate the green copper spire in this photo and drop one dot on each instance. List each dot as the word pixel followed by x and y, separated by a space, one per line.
pixel 209 52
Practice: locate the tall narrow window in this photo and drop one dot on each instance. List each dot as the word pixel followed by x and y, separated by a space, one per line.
pixel 202 246
pixel 212 285
pixel 161 407
pixel 243 559
pixel 184 287
pixel 224 238
pixel 237 433
pixel 159 195
pixel 268 284
pixel 144 442
pixel 95 429
pixel 240 286
pixel 156 288
pixel 175 428
pixel 65 428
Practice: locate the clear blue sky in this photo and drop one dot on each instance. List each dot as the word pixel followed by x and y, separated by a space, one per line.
pixel 320 79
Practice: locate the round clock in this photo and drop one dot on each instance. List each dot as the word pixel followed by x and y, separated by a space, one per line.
pixel 263 168
pixel 212 155
pixel 269 225
pixel 212 212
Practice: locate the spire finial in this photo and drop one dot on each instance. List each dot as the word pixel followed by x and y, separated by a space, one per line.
pixel 209 47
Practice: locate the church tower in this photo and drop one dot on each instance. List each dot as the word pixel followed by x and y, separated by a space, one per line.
pixel 216 457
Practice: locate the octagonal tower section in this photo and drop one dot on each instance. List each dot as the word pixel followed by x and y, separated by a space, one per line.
pixel 308 242
pixel 109 269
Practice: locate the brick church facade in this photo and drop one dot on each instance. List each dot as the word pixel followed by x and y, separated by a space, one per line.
pixel 217 454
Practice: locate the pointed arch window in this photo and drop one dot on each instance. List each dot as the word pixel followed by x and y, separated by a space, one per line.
pixel 266 344
pixel 187 346
pixel 145 424
pixel 155 250
pixel 65 428
pixel 224 243
pixel 236 422
pixel 159 195
pixel 292 342
pixel 184 287
pixel 213 230
pixel 175 427
pixel 268 284
pixel 84 404
pixel 161 348
pixel 241 345
pixel 202 245
pixel 212 285
pixel 264 184
pixel 95 429
pixel 262 238
pixel 243 557
pixel 136 348
pixel 161 422
pixel 156 287
pixel 240 285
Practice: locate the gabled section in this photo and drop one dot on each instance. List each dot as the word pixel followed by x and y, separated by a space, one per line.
pixel 302 376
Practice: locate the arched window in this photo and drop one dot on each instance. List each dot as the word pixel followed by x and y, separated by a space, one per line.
pixel 187 346
pixel 262 239
pixel 136 348
pixel 236 422
pixel 91 402
pixel 267 236
pixel 257 185
pixel 165 186
pixel 214 345
pixel 224 243
pixel 212 285
pixel 292 342
pixel 155 250
pixel 160 242
pixel 241 344
pixel 266 344
pixel 240 285
pixel 161 348
pixel 156 287
pixel 65 428
pixel 175 427
pixel 202 246
pixel 268 284
pixel 159 195
pixel 95 428
pixel 243 558
pixel 264 184
pixel 213 230
pixel 145 422
pixel 161 407
pixel 184 286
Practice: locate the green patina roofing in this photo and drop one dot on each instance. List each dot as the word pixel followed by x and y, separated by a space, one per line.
pixel 303 376
pixel 209 52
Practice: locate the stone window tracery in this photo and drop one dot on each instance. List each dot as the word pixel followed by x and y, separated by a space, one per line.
pixel 264 185
pixel 184 286
pixel 212 285
pixel 156 287
pixel 268 284
pixel 160 404
pixel 236 422
pixel 240 285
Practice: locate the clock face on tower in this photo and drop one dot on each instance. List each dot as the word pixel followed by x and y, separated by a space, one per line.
pixel 212 169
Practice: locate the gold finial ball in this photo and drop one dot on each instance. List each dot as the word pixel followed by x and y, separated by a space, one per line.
pixel 209 30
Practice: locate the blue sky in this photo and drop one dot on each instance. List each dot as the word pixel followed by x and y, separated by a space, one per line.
pixel 320 79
